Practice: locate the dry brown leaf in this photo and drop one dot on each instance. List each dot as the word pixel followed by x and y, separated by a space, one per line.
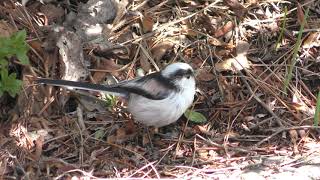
pixel 204 129
pixel 120 136
pixel 37 46
pixel 205 74
pixel 147 23
pixel 223 30
pixel 313 40
pixel 223 53
pixel 215 42
pixel 21 135
pixel 203 154
pixel 197 62
pixel 160 49
pixel 233 64
pixel 109 66
pixel 39 143
pixel 226 89
pixel 130 126
pixel 300 105
pixel 187 30
pixel 237 63
pixel 202 23
pixel 300 15
pixel 294 138
pixel 293 135
pixel 238 9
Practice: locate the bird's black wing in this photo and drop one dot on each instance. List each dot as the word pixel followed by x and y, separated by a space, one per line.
pixel 152 86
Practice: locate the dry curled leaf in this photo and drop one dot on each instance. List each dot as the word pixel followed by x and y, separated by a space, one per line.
pixel 205 74
pixel 224 29
pixel 40 142
pixel 187 30
pixel 147 23
pixel 236 7
pixel 160 49
pixel 106 65
pixel 227 65
pixel 215 42
pixel 202 23
pixel 300 15
pixel 120 136
pixel 313 40
pixel 237 63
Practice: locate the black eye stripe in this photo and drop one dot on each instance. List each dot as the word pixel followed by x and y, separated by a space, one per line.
pixel 182 72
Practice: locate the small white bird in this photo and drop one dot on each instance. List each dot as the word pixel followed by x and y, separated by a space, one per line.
pixel 157 99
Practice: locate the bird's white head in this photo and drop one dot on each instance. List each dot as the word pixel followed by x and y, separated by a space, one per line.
pixel 181 74
pixel 171 69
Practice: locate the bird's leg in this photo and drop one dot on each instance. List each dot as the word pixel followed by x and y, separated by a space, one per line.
pixel 149 135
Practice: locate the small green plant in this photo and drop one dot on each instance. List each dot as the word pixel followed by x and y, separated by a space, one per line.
pixel 295 52
pixel 111 100
pixel 100 133
pixel 195 117
pixel 278 43
pixel 15 45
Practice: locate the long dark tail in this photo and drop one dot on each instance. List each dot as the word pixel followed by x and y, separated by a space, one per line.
pixel 83 86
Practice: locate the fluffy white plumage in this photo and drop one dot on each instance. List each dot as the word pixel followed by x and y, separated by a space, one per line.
pixel 157 99
pixel 162 112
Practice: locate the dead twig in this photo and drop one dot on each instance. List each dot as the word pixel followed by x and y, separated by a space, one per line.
pixel 279 130
pixel 264 105
pixel 238 149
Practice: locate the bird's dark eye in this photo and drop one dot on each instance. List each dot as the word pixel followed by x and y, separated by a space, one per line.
pixel 182 73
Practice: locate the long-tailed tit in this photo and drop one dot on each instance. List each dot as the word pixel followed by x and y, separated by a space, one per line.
pixel 157 99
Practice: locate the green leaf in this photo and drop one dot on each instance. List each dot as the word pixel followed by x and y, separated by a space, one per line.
pixel 15 45
pixel 3 63
pixel 99 133
pixel 10 83
pixel 1 89
pixel 195 117
pixel 21 46
pixel 111 100
pixel 20 36
pixel 22 56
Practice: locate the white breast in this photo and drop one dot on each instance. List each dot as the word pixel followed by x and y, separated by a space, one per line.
pixel 160 113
